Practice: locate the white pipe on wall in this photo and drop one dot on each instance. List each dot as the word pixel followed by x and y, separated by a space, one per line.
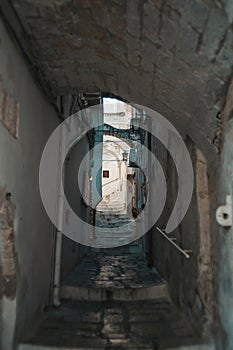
pixel 57 267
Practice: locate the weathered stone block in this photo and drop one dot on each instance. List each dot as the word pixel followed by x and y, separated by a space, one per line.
pixel 212 43
pixel 151 21
pixel 133 18
pixel 9 111
pixel 195 14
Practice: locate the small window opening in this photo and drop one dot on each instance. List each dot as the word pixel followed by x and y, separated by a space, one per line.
pixel 106 173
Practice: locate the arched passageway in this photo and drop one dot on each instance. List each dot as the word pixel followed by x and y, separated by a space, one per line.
pixel 173 58
pixel 113 278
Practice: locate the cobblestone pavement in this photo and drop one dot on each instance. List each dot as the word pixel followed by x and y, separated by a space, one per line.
pixel 107 270
pixel 114 325
pixel 110 324
pixel 125 229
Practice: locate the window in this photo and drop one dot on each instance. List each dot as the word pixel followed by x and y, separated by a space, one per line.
pixel 106 173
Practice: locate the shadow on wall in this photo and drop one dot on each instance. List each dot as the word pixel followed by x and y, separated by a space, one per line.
pixel 73 252
pixel 190 281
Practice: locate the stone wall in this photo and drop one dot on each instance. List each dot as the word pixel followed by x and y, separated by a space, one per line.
pixel 173 57
pixel 223 263
pixel 20 153
pixel 189 280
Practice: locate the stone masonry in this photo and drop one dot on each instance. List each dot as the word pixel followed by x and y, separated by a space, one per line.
pixel 173 56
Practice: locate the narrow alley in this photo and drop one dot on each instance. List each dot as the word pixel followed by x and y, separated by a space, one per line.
pixel 116 163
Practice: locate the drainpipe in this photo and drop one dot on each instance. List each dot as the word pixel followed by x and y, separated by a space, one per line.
pixel 65 103
pixel 150 233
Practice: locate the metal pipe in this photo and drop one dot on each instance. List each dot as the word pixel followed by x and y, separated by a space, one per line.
pixel 57 272
pixel 173 243
pixel 66 102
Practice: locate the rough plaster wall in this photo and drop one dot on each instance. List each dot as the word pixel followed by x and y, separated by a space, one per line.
pixel 189 281
pixel 197 277
pixel 72 252
pixel 8 255
pixel 9 270
pixel 224 236
pixel 205 269
pixel 19 165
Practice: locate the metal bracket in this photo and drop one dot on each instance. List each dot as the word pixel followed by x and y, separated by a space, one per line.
pixel 224 213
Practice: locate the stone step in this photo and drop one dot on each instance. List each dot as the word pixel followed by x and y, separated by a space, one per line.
pixel 119 216
pixel 106 232
pixel 104 277
pixel 147 324
pixel 114 224
pixel 114 344
pixel 121 294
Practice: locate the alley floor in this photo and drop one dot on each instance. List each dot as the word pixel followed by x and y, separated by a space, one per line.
pixel 115 274
pixel 108 270
pixel 134 322
pixel 114 325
